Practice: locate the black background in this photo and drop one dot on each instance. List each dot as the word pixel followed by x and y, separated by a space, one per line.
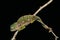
pixel 12 10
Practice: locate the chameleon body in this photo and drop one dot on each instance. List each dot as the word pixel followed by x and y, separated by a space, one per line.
pixel 23 21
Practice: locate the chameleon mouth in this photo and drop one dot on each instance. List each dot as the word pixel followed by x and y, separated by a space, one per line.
pixel 12 30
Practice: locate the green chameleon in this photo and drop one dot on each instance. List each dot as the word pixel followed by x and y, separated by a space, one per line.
pixel 23 21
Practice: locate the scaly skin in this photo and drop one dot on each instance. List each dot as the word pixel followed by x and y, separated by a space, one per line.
pixel 22 22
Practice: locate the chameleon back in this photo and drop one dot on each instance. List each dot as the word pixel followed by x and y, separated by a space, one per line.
pixel 24 18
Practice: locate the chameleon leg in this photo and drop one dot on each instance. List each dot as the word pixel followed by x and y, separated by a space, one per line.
pixel 46 27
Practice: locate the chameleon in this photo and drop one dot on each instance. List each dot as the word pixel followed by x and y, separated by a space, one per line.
pixel 25 20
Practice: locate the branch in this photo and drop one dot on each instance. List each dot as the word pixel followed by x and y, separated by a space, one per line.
pixel 13 38
pixel 50 29
pixel 56 37
pixel 43 7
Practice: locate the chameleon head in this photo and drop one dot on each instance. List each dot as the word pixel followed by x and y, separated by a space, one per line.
pixel 13 27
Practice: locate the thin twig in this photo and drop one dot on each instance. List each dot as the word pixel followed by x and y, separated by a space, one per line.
pixel 13 38
pixel 56 37
pixel 50 29
pixel 43 7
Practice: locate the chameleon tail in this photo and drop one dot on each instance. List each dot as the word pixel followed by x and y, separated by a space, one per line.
pixel 43 7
